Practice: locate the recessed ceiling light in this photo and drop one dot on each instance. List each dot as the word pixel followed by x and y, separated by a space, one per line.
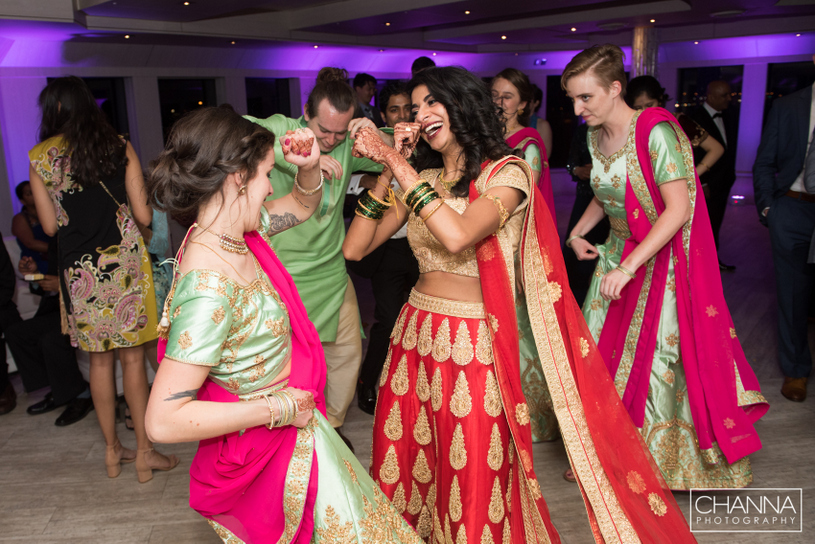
pixel 434 54
pixel 200 103
pixel 381 50
pixel 574 29
pixel 387 24
pixel 695 43
pixel 187 3
pixel 316 46
pixel 797 35
pixel 653 20
pixel 233 42
pixel 503 37
pixel 467 12
pixel 127 36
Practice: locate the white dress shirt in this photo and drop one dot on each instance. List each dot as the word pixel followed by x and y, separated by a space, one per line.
pixel 355 189
pixel 718 121
pixel 798 184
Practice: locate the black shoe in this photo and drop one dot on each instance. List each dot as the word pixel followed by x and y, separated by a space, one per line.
pixel 8 400
pixel 366 398
pixel 726 267
pixel 45 405
pixel 345 439
pixel 76 410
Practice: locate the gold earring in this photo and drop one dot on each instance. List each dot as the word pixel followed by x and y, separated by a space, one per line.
pixel 520 111
pixel 242 190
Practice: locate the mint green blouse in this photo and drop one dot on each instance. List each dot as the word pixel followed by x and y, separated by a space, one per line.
pixel 242 332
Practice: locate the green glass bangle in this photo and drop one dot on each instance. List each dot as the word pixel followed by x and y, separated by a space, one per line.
pixel 427 200
pixel 372 204
pixel 420 195
pixel 370 214
pixel 416 191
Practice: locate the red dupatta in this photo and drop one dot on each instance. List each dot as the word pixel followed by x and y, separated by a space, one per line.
pixel 626 498
pixel 523 139
pixel 723 391
pixel 239 481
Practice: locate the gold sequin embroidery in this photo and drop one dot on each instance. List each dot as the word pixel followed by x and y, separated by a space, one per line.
pixel 411 333
pixel 584 347
pixel 455 500
pixel 461 535
pixel 277 326
pixel 522 414
pixel 657 505
pixel 399 380
pixel 555 291
pixel 421 469
pixel 436 390
pixel 218 315
pixel 389 471
pixel 425 525
pixel 495 455
pixel 441 343
pixel 635 482
pixel 492 396
pixel 463 347
pixel 383 379
pixel 398 499
pixel 393 425
pixel 415 504
pixel 496 509
pixel 421 430
pixel 483 346
pixel 461 403
pixel 396 335
pixel 185 340
pixel 486 536
pixel 425 343
pixel 458 449
pixel 422 387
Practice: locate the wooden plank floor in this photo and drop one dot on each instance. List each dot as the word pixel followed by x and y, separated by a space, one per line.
pixel 55 490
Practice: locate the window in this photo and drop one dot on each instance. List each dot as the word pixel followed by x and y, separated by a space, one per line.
pixel 180 96
pixel 268 96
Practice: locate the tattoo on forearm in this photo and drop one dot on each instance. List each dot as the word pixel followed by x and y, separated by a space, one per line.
pixel 182 395
pixel 278 223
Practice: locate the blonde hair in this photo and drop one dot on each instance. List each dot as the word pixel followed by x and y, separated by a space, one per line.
pixel 604 61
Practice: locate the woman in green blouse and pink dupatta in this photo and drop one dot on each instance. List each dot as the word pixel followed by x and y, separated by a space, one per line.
pixel 242 368
pixel 655 305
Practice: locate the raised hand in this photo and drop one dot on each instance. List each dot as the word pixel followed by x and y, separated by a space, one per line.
pixel 405 138
pixel 369 145
pixel 300 148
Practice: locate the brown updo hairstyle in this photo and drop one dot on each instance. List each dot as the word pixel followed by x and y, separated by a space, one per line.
pixel 332 84
pixel 605 62
pixel 521 82
pixel 204 147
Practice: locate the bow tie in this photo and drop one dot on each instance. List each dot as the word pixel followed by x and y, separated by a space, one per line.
pixel 715 115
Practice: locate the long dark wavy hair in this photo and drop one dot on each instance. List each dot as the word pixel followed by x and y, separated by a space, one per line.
pixel 68 108
pixel 474 120
pixel 203 148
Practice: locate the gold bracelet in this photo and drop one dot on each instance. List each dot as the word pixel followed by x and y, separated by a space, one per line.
pixel 571 239
pixel 431 212
pixel 270 426
pixel 387 203
pixel 626 271
pixel 409 189
pixel 308 192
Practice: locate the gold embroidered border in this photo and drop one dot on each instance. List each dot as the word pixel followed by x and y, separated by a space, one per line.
pixel 453 308
pixel 634 171
pixel 620 227
pixel 297 478
pixel 598 494
pixel 227 536
pixel 631 339
pixel 746 398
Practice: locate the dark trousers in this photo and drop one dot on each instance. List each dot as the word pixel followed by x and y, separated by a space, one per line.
pixel 716 206
pixel 398 272
pixel 8 317
pixel 579 272
pixel 44 355
pixel 792 223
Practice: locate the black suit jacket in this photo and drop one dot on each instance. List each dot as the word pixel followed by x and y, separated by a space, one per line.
pixel 781 154
pixel 723 174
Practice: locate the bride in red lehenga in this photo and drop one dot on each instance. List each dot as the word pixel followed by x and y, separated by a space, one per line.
pixel 452 445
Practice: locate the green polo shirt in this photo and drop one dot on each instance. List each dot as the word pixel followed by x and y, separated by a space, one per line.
pixel 312 251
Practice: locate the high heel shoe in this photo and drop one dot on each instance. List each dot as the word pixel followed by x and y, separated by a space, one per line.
pixel 114 459
pixel 144 470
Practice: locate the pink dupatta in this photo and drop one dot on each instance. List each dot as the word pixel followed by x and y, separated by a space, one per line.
pixel 239 480
pixel 715 366
pixel 523 139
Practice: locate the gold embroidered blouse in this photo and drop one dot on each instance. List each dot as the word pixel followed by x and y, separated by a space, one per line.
pixel 432 255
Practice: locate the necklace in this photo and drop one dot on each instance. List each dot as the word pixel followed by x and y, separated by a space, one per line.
pixel 448 184
pixel 227 242
pixel 246 282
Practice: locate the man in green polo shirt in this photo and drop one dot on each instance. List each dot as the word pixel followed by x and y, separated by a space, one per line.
pixel 312 252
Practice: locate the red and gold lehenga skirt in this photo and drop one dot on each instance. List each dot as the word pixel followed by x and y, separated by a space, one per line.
pixel 441 439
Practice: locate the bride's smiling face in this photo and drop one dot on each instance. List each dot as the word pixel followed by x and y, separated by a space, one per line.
pixel 435 121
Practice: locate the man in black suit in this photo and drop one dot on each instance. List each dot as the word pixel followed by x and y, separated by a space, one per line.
pixel 788 208
pixel 365 87
pixel 714 117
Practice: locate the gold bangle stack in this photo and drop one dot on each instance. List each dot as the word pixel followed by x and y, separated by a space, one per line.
pixel 426 217
pixel 308 192
pixel 287 409
pixel 419 195
pixel 626 271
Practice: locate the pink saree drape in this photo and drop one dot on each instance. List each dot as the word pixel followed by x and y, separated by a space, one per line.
pixel 238 480
pixel 712 356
